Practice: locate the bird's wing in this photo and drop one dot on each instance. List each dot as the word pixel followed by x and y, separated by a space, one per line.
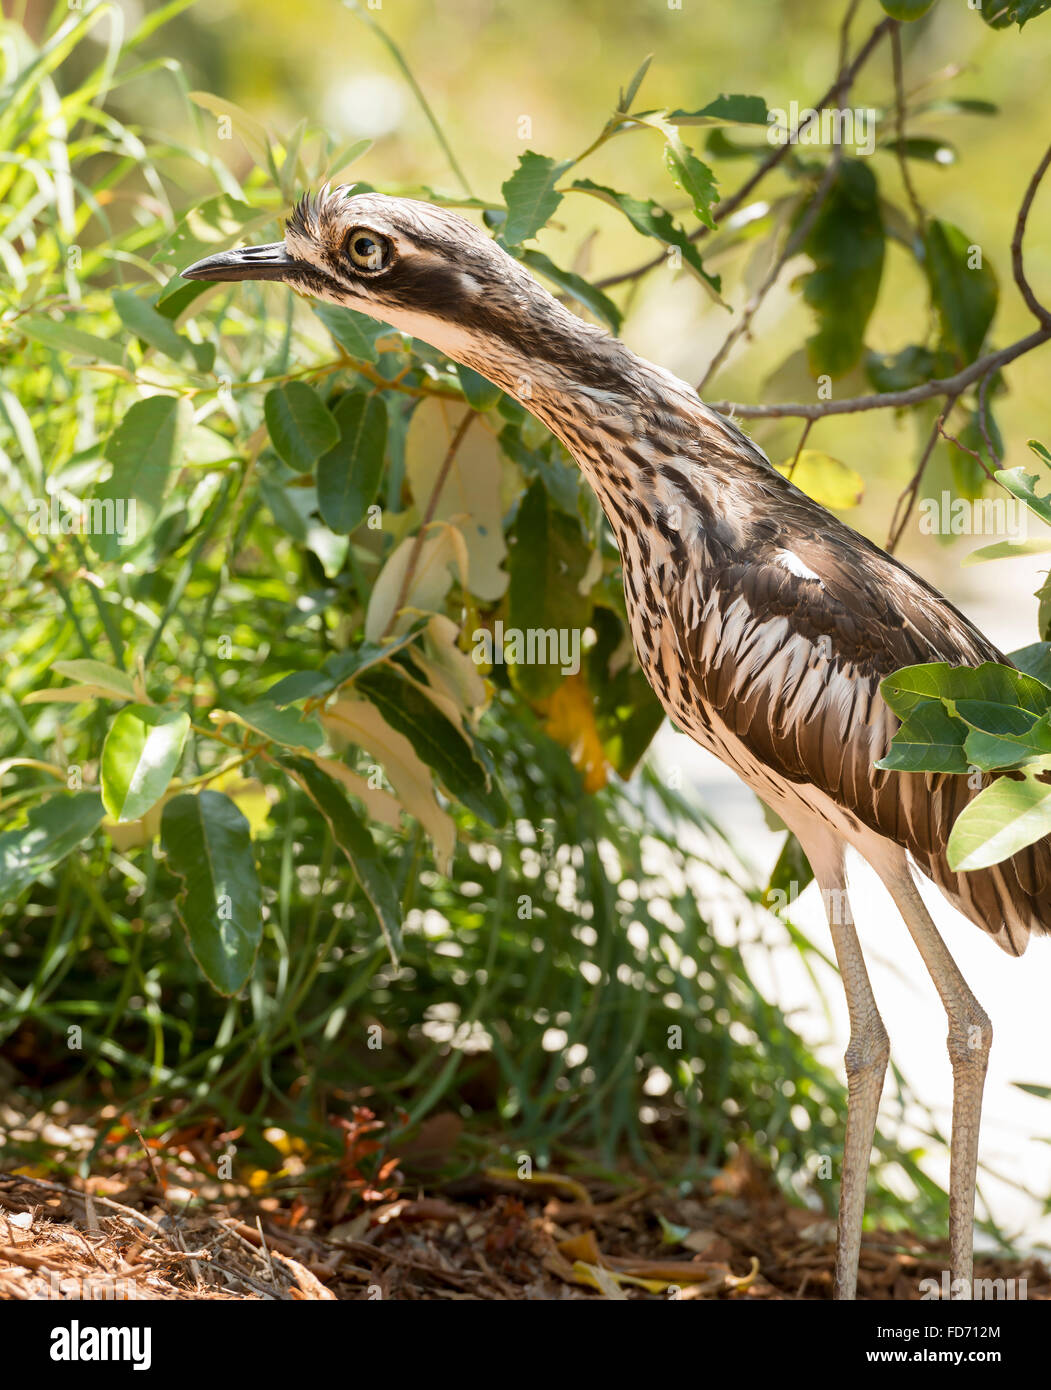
pixel 798 628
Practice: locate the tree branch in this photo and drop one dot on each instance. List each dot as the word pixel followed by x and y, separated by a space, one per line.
pixel 888 400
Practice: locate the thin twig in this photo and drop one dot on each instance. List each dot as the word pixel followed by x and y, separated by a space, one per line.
pixel 907 500
pixel 899 120
pixel 1042 315
pixel 428 517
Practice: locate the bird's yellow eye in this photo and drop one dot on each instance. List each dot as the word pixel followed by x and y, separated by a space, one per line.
pixel 368 250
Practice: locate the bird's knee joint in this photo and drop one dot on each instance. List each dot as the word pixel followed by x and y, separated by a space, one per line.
pixel 867 1053
pixel 970 1038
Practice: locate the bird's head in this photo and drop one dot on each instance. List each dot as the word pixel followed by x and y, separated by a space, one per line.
pixel 424 270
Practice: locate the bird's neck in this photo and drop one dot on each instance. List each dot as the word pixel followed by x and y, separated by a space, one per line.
pixel 649 447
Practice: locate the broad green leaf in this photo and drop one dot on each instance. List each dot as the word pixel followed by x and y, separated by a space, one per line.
pixel 846 244
pixel 305 685
pixel 52 830
pixel 825 479
pixel 355 333
pixel 651 220
pixel 251 132
pixel 576 287
pixel 898 371
pixel 929 740
pixel 547 612
pixel 348 475
pixel 300 424
pixel 62 336
pixel 208 845
pixel 1002 735
pixel 962 286
pixel 530 195
pixel 145 450
pixel 735 109
pixel 1001 14
pixel 924 147
pixel 351 833
pixel 139 758
pixel 118 683
pixel 436 740
pixel 937 680
pixel 1024 486
pixel 1034 660
pixel 1014 812
pixel 153 328
pixel 690 174
pixel 1006 550
pixel 479 392
pixel 288 727
pixel 906 9
pixel 789 876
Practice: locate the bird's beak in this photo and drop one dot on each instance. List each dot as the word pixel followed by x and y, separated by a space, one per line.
pixel 247 263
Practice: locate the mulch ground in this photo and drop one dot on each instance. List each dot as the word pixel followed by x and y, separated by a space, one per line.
pixel 142 1233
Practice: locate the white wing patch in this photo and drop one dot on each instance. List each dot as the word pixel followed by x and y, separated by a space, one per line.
pixel 795 565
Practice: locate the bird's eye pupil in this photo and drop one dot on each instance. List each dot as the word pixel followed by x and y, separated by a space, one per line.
pixel 364 246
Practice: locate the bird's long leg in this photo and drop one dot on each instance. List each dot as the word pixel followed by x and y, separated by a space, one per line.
pixel 866 1062
pixel 970 1038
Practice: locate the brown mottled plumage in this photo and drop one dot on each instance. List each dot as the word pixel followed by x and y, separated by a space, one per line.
pixel 764 624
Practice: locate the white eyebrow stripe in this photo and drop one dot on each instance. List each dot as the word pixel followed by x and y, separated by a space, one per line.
pixel 795 565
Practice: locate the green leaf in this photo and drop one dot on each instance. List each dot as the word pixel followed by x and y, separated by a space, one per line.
pixel 288 727
pixel 906 9
pixel 436 740
pixel 300 424
pixel 52 830
pixel 937 680
pixel 351 833
pixel 118 683
pixel 1034 660
pixel 690 174
pixel 576 287
pixel 145 449
pixel 736 109
pixel 308 685
pixel 846 244
pixel 64 338
pixel 479 392
pixel 530 195
pixel 929 740
pixel 1002 735
pixel 139 758
pixel 153 328
pixel 1001 14
pixel 898 371
pixel 348 475
pixel 1014 812
pixel 208 845
pixel 962 286
pixel 925 147
pixel 548 559
pixel 651 220
pixel 355 333
pixel 789 876
pixel 626 98
pixel 1024 485
pixel 825 479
